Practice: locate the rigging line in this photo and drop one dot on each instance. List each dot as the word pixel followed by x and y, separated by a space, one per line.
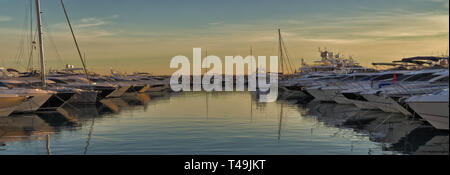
pixel 30 60
pixel 20 49
pixel 288 59
pixel 287 55
pixel 31 39
pixel 30 34
pixel 52 42
pixel 75 40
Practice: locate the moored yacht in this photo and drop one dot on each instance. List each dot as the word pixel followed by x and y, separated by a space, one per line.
pixel 38 99
pixel 101 89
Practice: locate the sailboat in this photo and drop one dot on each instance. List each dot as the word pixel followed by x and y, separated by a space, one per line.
pixel 43 98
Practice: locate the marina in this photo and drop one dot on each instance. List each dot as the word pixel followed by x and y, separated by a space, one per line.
pixel 149 124
pixel 330 106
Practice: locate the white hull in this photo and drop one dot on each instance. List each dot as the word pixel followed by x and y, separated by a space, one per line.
pixel 340 99
pixel 336 96
pixel 400 108
pixel 33 104
pixel 363 104
pixel 384 104
pixel 9 104
pixel 436 113
pixel 319 95
pixel 84 97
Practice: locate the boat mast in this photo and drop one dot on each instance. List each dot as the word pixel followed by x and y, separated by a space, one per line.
pixel 41 44
pixel 281 52
pixel 75 40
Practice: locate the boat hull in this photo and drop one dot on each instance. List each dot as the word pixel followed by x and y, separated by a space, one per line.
pixel 382 103
pixel 9 104
pixel 119 92
pixel 319 95
pixel 436 113
pixel 84 97
pixel 33 103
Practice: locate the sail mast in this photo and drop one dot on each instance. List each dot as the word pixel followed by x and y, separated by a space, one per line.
pixel 75 40
pixel 41 44
pixel 281 52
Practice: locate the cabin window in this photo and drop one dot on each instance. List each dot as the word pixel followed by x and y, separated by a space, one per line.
pixel 421 77
pixel 359 77
pixel 383 77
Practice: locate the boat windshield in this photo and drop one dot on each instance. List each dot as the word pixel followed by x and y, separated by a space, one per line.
pixel 422 77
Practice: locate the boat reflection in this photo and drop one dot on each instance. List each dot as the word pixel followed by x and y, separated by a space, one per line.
pixel 396 132
pixel 18 128
pixel 42 125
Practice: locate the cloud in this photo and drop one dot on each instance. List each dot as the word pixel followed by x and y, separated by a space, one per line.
pixel 5 18
pixel 88 22
pixel 87 28
pixel 216 23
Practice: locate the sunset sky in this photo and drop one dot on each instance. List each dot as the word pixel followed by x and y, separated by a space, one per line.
pixel 143 35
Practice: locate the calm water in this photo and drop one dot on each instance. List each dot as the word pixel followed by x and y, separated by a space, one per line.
pixel 188 123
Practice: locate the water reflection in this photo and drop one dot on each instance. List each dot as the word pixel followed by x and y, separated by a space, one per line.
pixel 214 123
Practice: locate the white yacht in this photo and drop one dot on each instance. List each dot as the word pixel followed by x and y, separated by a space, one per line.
pixel 432 107
pixel 36 97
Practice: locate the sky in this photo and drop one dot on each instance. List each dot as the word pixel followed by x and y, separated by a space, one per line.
pixel 144 35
